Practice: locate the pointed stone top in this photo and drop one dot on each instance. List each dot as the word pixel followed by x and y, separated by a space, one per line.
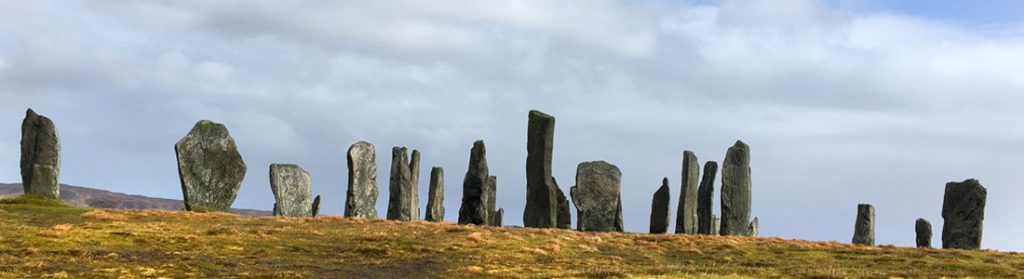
pixel 664 182
pixel 537 113
pixel 30 112
pixel 740 144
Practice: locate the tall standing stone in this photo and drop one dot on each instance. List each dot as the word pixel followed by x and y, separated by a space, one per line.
pixel 963 211
pixel 752 231
pixel 686 215
pixel 541 198
pixel 715 225
pixel 474 202
pixel 435 199
pixel 291 187
pixel 864 228
pixel 660 208
pixel 210 167
pixel 597 197
pixel 705 197
pixel 361 197
pixel 497 219
pixel 316 206
pixel 924 233
pixel 564 215
pixel 40 156
pixel 403 200
pixel 491 191
pixel 736 190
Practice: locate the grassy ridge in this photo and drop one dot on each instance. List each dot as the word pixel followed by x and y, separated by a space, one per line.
pixel 41 238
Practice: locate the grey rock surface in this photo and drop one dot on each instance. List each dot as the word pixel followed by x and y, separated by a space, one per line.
pixel 361 196
pixel 474 202
pixel 715 225
pixel 498 217
pixel 705 198
pixel 316 206
pixel 963 212
pixel 541 198
pixel 752 231
pixel 864 228
pixel 435 196
pixel 686 215
pixel 736 190
pixel 210 167
pixel 292 191
pixel 660 208
pixel 40 156
pixel 491 193
pixel 403 199
pixel 924 233
pixel 597 197
pixel 564 215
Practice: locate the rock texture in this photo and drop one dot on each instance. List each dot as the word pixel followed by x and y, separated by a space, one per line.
pixel 736 190
pixel 660 208
pixel 564 215
pixel 435 198
pixel 497 218
pixel 291 187
pixel 541 198
pixel 924 233
pixel 474 202
pixel 864 228
pixel 597 198
pixel 316 206
pixel 715 225
pixel 705 197
pixel 210 167
pixel 686 215
pixel 40 156
pixel 403 201
pixel 361 197
pixel 491 192
pixel 963 211
pixel 752 231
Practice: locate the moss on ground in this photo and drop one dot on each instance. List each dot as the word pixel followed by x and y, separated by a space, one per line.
pixel 43 238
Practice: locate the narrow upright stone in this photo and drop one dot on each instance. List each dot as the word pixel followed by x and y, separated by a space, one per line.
pixel 660 208
pixel 564 215
pixel 924 233
pixel 705 195
pixel 316 206
pixel 40 156
pixel 541 198
pixel 686 215
pixel 963 211
pixel 597 197
pixel 474 208
pixel 403 201
pixel 864 228
pixel 492 197
pixel 361 197
pixel 714 225
pixel 210 167
pixel 736 190
pixel 290 185
pixel 752 231
pixel 435 199
pixel 497 219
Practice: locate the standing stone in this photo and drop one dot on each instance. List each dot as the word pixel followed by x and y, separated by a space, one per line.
pixel 736 190
pixel 686 215
pixel 660 208
pixel 491 193
pixel 564 215
pixel 597 198
pixel 474 202
pixel 753 228
pixel 290 185
pixel 435 200
pixel 210 167
pixel 497 219
pixel 864 228
pixel 963 211
pixel 361 198
pixel 705 195
pixel 403 201
pixel 924 233
pixel 40 156
pixel 316 206
pixel 541 198
pixel 715 225
pixel 277 210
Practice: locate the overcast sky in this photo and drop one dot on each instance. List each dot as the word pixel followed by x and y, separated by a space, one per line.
pixel 842 102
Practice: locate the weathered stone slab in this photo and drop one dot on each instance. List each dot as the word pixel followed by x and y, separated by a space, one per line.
pixel 597 198
pixel 924 233
pixel 474 208
pixel 361 197
pixel 660 208
pixel 491 192
pixel 963 212
pixel 752 231
pixel 498 217
pixel 435 199
pixel 864 228
pixel 316 206
pixel 291 187
pixel 736 190
pixel 705 197
pixel 541 198
pixel 686 215
pixel 715 225
pixel 564 215
pixel 40 156
pixel 210 167
pixel 403 200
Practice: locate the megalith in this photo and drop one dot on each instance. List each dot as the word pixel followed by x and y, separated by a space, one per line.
pixel 209 166
pixel 686 215
pixel 474 208
pixel 497 218
pixel 435 197
pixel 864 228
pixel 291 187
pixel 564 215
pixel 705 197
pixel 316 206
pixel 403 200
pixel 752 231
pixel 597 197
pixel 660 208
pixel 736 190
pixel 715 225
pixel 963 211
pixel 40 156
pixel 361 197
pixel 924 233
pixel 541 198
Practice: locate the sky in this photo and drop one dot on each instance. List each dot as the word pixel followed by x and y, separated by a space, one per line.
pixel 842 102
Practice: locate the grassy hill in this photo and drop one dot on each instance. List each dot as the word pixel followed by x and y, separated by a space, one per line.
pixel 42 238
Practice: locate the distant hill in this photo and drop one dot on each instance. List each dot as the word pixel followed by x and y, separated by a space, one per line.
pixel 88 197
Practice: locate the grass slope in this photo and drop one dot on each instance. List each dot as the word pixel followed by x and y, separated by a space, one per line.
pixel 41 238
